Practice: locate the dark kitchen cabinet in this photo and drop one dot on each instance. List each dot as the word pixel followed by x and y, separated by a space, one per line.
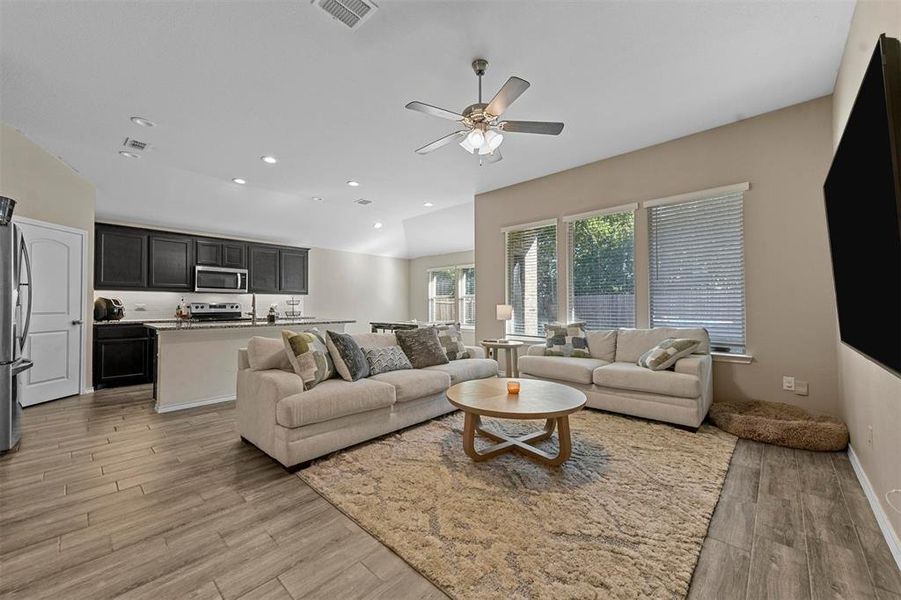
pixel 171 262
pixel 219 253
pixel 120 258
pixel 264 269
pixel 208 253
pixel 131 258
pixel 292 276
pixel 123 355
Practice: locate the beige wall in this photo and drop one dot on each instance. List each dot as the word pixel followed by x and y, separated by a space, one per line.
pixel 358 286
pixel 790 305
pixel 48 190
pixel 869 395
pixel 419 283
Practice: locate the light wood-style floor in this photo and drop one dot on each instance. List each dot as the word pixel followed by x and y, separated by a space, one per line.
pixel 106 498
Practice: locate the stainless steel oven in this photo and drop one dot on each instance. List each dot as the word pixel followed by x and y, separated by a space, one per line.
pixel 219 279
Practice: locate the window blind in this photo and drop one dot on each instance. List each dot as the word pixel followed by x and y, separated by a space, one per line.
pixel 602 270
pixel 532 278
pixel 468 296
pixel 442 295
pixel 697 276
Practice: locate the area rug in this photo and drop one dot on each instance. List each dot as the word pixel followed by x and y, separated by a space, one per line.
pixel 625 517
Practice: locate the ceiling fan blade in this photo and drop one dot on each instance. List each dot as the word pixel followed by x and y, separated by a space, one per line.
pixel 492 158
pixel 456 136
pixel 434 111
pixel 512 90
pixel 542 127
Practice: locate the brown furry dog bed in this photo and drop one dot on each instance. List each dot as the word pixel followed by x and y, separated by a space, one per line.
pixel 780 424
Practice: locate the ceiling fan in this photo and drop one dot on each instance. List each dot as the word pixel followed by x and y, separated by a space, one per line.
pixel 482 133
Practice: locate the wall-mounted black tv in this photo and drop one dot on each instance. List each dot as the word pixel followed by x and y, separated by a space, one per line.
pixel 863 212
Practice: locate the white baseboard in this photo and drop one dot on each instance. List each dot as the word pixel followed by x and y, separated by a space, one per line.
pixel 891 538
pixel 187 405
pixel 87 390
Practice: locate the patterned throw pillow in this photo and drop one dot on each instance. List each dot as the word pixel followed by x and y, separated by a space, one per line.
pixel 349 359
pixel 309 357
pixel 389 358
pixel 422 347
pixel 451 340
pixel 566 340
pixel 666 353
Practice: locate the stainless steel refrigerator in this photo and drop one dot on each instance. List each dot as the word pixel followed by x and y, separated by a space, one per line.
pixel 15 316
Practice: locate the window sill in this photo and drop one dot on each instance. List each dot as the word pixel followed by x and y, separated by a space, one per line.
pixel 726 357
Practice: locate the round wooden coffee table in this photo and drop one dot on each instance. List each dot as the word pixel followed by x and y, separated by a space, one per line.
pixel 536 400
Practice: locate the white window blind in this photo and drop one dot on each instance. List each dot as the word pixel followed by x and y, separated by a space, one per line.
pixel 452 294
pixel 442 294
pixel 697 276
pixel 602 270
pixel 467 309
pixel 532 278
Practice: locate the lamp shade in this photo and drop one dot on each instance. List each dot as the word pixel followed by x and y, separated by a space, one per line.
pixel 504 312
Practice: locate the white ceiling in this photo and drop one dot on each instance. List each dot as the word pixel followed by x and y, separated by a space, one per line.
pixel 230 81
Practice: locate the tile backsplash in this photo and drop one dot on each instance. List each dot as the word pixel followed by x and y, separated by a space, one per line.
pixel 161 305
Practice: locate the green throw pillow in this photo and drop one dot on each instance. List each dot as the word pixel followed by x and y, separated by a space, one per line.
pixel 309 357
pixel 666 353
pixel 566 340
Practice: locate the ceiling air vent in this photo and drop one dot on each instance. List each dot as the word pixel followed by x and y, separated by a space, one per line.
pixel 363 201
pixel 352 13
pixel 133 144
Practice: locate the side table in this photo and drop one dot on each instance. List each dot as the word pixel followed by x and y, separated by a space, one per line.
pixel 512 348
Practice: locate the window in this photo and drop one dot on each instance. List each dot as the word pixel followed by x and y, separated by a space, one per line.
pixel 452 295
pixel 697 276
pixel 602 269
pixel 532 278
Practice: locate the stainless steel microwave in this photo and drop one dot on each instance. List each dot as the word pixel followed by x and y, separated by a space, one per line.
pixel 220 280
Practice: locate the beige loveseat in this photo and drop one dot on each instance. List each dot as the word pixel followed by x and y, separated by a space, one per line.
pixel 294 426
pixel 612 379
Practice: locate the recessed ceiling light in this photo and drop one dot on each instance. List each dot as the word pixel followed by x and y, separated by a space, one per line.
pixel 239 181
pixel 428 204
pixel 353 183
pixel 269 160
pixel 143 122
pixel 129 154
pixel 317 198
pixel 377 225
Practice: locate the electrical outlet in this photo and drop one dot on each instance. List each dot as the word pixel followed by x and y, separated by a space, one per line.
pixel 801 388
pixel 869 436
pixel 788 383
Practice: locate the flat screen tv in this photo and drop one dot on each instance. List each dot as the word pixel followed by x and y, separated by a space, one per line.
pixel 863 212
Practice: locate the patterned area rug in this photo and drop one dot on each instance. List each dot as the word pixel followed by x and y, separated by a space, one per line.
pixel 625 517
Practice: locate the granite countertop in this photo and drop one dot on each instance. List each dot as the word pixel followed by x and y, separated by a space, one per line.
pixel 133 322
pixel 195 325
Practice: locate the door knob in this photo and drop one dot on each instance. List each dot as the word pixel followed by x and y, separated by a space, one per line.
pixel 77 322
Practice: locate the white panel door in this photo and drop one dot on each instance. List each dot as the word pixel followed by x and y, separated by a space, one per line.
pixel 54 339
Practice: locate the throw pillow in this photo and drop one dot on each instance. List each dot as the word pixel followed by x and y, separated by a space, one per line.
pixel 566 340
pixel 309 357
pixel 349 359
pixel 666 353
pixel 267 353
pixel 389 358
pixel 422 347
pixel 451 340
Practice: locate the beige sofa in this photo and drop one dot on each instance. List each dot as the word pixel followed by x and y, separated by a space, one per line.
pixel 613 381
pixel 294 426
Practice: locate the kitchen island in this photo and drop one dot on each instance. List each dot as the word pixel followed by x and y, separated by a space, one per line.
pixel 197 362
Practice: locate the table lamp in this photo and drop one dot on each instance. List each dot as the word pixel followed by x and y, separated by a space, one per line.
pixel 504 313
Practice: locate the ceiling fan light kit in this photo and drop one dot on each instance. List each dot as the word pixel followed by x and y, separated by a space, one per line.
pixel 481 133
